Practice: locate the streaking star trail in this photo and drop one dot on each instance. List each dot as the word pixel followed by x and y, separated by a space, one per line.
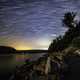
pixel 33 24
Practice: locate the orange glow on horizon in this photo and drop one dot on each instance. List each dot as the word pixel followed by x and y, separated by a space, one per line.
pixel 43 45
pixel 23 48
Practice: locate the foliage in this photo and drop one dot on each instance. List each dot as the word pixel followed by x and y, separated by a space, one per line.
pixel 69 19
pixel 62 42
pixel 56 44
pixel 76 42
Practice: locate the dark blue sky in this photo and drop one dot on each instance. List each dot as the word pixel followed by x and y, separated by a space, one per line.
pixel 33 23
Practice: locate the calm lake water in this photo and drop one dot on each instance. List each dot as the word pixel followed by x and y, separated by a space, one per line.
pixel 20 58
pixel 13 60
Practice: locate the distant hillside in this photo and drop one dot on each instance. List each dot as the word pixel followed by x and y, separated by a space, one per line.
pixel 7 50
pixel 31 51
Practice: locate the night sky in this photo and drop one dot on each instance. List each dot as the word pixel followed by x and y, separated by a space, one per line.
pixel 33 24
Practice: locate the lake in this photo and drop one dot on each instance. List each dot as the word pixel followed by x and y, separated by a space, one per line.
pixel 13 60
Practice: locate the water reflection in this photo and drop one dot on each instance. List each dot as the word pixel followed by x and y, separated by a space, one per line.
pixel 21 58
pixel 13 60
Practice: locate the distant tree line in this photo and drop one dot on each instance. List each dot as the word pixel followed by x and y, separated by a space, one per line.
pixel 62 42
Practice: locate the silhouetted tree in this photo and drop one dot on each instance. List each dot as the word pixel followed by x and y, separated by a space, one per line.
pixel 69 19
pixel 56 44
pixel 76 42
pixel 61 43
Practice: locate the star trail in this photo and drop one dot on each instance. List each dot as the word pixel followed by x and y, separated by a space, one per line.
pixel 33 24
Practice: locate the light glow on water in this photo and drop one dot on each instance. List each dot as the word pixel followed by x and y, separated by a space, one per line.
pixel 22 57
